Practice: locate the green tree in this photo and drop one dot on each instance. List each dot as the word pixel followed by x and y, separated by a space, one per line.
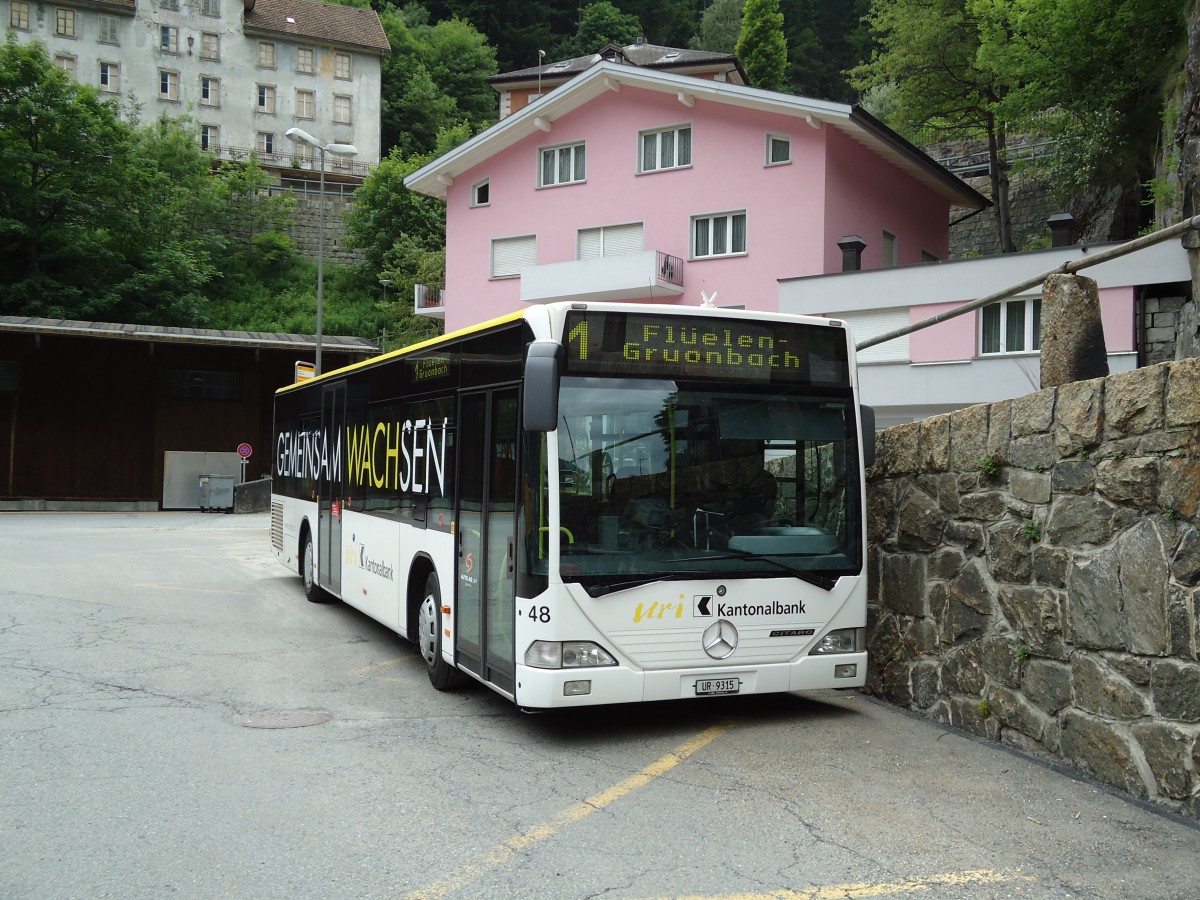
pixel 666 22
pixel 1085 75
pixel 517 28
pixel 436 76
pixel 601 23
pixel 930 51
pixel 761 47
pixel 57 183
pixel 824 38
pixel 402 234
pixel 1088 77
pixel 720 27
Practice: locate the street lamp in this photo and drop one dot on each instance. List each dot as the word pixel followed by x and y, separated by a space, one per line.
pixel 299 136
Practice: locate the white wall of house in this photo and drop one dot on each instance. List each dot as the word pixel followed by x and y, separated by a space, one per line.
pixel 947 366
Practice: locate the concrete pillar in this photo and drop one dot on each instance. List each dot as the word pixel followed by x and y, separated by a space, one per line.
pixel 1072 334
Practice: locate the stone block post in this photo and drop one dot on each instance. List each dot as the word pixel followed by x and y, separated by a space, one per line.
pixel 1072 334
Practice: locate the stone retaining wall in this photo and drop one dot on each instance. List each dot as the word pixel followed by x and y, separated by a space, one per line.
pixel 1034 568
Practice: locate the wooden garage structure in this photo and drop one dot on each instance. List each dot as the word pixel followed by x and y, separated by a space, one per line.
pixel 90 411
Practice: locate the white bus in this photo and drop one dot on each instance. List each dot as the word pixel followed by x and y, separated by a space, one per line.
pixel 593 503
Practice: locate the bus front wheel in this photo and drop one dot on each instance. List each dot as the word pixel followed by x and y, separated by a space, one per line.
pixel 442 675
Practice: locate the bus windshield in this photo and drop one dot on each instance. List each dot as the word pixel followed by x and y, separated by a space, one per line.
pixel 662 479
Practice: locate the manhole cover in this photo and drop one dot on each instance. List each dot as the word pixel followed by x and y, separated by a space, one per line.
pixel 286 719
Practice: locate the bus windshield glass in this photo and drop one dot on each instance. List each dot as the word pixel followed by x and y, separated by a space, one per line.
pixel 663 478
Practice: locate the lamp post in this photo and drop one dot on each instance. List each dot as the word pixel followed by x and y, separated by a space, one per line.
pixel 299 136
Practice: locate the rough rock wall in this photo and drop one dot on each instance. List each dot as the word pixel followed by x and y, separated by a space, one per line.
pixel 1034 571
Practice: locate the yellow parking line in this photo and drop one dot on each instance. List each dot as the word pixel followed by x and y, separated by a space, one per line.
pixel 470 872
pixel 878 889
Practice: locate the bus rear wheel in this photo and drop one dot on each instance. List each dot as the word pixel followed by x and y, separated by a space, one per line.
pixel 442 675
pixel 312 590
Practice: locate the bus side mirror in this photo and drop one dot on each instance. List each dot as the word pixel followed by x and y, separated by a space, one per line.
pixel 541 385
pixel 867 415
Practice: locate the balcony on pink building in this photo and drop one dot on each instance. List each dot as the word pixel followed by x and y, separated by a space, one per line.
pixel 429 301
pixel 648 275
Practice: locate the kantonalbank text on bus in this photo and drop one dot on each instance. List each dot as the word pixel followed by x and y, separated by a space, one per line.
pixel 593 503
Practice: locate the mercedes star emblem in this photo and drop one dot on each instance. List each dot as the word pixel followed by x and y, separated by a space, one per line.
pixel 720 639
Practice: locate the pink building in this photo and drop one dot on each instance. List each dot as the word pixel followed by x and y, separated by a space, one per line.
pixel 638 184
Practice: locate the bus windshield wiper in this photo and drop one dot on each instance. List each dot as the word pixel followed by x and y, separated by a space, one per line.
pixel 817 579
pixel 599 590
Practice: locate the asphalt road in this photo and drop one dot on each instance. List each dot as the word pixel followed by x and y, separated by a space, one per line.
pixel 141 656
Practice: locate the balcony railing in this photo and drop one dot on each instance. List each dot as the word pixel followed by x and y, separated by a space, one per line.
pixel 335 165
pixel 670 269
pixel 428 300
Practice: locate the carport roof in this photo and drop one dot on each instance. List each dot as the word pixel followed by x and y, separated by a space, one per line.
pixel 206 336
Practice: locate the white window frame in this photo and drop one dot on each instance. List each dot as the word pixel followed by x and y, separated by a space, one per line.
pixel 210 138
pixel 211 8
pixel 168 85
pixel 168 39
pixel 110 77
pixel 1030 337
pixel 481 193
pixel 306 53
pixel 511 254
pixel 610 240
pixel 107 32
pixel 264 99
pixel 64 22
pixel 210 90
pixel 306 104
pixel 779 140
pixel 343 106
pixel 18 15
pixel 264 142
pixel 341 66
pixel 66 62
pixel 725 221
pixel 655 137
pixel 266 55
pixel 576 153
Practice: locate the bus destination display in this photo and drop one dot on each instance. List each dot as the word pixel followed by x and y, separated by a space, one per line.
pixel 663 346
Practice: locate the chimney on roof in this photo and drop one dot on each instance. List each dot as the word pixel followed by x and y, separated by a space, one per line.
pixel 641 39
pixel 1060 224
pixel 852 247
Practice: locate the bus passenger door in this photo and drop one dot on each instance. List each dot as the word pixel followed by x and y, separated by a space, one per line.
pixel 329 504
pixel 487 502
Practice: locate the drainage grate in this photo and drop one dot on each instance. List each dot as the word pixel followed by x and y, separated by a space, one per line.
pixel 286 719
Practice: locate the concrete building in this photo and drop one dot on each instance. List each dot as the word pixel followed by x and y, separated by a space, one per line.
pixel 244 70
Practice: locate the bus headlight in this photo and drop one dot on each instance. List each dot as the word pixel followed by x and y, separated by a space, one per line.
pixel 842 640
pixel 567 655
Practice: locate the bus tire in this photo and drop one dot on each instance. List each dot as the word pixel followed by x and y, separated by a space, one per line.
pixel 313 591
pixel 442 675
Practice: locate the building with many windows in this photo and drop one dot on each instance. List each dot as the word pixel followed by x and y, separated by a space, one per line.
pixel 631 182
pixel 245 71
pixel 613 177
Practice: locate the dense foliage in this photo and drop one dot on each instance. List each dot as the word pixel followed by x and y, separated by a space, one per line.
pixel 103 217
pixel 1082 78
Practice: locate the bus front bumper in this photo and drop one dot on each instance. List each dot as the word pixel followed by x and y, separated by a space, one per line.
pixel 559 688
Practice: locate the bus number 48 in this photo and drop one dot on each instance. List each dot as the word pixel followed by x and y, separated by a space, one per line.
pixel 539 613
